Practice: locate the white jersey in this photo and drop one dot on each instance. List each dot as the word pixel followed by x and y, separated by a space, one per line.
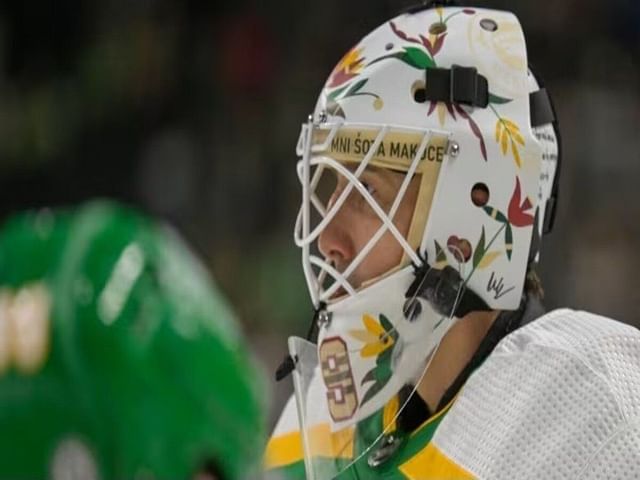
pixel 558 398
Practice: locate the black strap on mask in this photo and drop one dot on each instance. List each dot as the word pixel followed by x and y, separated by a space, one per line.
pixel 462 85
pixel 288 364
pixel 543 112
pixel 541 108
pixel 443 289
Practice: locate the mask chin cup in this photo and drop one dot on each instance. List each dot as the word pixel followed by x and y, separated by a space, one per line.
pixel 371 346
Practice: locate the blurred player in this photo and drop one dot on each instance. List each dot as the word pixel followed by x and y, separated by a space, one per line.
pixel 118 357
pixel 429 171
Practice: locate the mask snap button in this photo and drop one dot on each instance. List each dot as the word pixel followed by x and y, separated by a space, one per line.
pixel 388 446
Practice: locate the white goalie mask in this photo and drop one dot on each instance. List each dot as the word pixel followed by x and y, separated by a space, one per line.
pixel 443 100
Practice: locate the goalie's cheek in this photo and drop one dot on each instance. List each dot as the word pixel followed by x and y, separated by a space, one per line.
pixel 346 235
pixel 387 252
pixel 356 222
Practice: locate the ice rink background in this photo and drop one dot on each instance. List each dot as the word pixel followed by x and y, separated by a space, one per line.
pixel 191 110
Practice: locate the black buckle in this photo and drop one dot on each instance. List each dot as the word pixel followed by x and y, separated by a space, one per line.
pixel 457 85
pixel 438 85
pixel 467 86
pixel 541 109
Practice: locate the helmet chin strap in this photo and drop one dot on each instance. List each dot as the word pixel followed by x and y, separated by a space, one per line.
pixel 443 289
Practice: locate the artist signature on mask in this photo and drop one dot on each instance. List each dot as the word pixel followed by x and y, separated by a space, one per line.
pixel 497 287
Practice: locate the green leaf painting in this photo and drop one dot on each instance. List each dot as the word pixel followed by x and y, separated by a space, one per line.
pixel 413 56
pixel 336 93
pixel 441 256
pixel 388 327
pixel 375 388
pixel 479 250
pixel 497 100
pixel 356 87
pixel 381 373
pixel 417 58
pixel 508 240
pixel 495 214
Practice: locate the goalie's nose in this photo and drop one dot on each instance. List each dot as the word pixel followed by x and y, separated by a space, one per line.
pixel 336 241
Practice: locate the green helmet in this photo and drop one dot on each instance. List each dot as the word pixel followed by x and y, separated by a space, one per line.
pixel 118 357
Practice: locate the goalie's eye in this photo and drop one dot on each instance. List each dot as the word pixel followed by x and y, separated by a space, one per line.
pixel 356 198
pixel 370 188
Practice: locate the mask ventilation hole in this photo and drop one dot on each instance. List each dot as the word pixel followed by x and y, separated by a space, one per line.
pixel 480 194
pixel 419 92
pixel 488 25
pixel 388 46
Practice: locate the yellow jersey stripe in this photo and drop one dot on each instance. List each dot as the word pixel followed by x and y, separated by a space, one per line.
pixel 287 449
pixel 431 464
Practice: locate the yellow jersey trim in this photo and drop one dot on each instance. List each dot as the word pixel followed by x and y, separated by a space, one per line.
pixel 434 417
pixel 431 464
pixel 287 449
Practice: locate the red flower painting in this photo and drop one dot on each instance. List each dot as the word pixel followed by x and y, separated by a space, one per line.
pixel 349 67
pixel 517 213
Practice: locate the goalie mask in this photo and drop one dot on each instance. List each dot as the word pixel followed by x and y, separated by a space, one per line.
pixel 439 107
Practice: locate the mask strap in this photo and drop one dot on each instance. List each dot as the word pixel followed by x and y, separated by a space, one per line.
pixel 288 364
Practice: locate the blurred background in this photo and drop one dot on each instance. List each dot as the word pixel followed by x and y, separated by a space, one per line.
pixel 191 109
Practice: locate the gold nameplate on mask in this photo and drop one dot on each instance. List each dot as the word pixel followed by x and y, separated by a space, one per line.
pixel 396 151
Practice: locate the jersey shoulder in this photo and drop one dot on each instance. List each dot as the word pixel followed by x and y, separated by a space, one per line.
pixel 548 399
pixel 608 350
